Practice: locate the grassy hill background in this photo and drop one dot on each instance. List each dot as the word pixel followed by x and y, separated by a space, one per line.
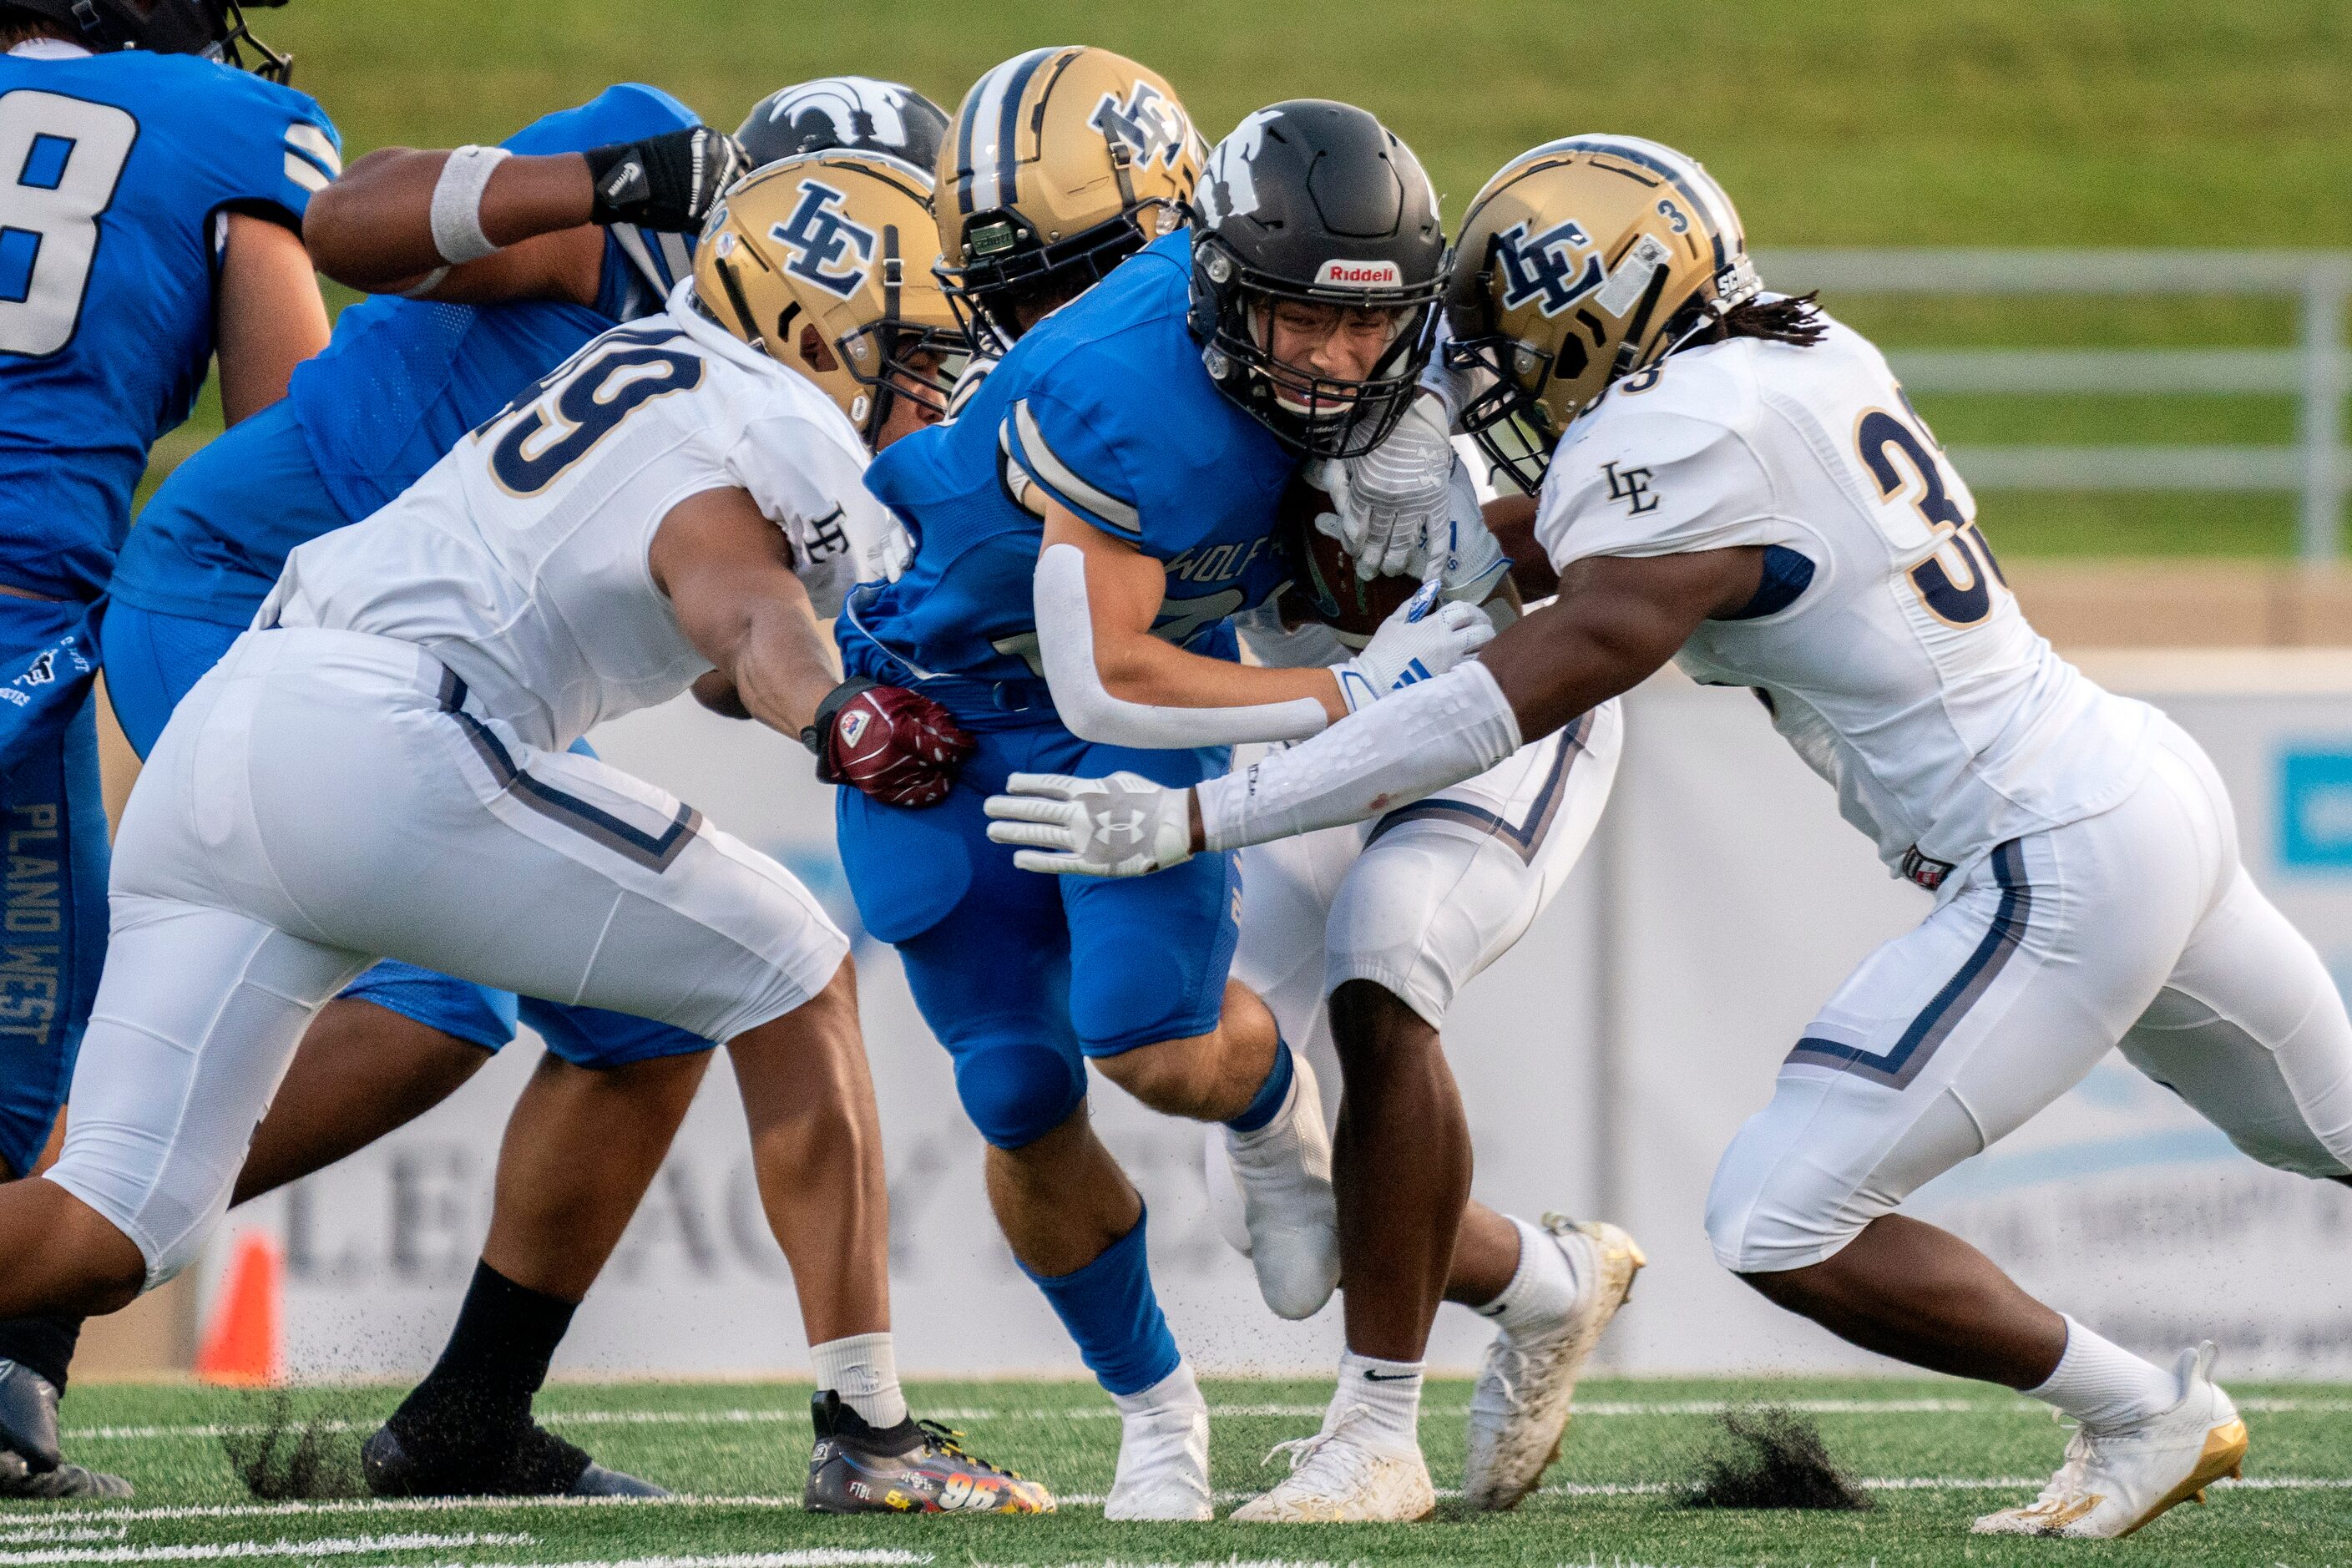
pixel 1963 123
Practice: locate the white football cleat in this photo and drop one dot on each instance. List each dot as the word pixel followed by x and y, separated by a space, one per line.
pixel 2117 1478
pixel 1519 1409
pixel 1163 1454
pixel 1284 1172
pixel 1340 1477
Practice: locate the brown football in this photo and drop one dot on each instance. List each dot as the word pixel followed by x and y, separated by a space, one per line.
pixel 1323 581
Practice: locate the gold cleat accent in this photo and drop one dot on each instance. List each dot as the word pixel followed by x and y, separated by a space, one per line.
pixel 2224 1455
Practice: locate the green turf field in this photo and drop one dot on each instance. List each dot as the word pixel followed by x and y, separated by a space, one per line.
pixel 1933 1455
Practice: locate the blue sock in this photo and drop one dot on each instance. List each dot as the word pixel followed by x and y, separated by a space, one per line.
pixel 1109 1308
pixel 1270 1094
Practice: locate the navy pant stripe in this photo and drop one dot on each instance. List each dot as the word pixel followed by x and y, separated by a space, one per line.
pixel 1527 835
pixel 653 851
pixel 1936 1022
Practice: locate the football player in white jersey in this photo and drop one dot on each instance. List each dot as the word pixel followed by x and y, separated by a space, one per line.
pixel 1503 843
pixel 1738 480
pixel 378 769
pixel 1358 938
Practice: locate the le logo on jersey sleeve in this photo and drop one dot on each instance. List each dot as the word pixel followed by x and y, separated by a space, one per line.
pixel 1631 486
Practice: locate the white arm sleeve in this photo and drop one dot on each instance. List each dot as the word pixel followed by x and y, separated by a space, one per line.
pixel 1412 742
pixel 1066 642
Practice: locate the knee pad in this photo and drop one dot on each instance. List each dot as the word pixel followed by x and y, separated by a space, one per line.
pixel 1016 1092
pixel 1413 918
pixel 1769 1209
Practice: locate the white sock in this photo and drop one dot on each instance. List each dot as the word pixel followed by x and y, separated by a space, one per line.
pixel 864 1370
pixel 1178 1390
pixel 1387 1391
pixel 2100 1383
pixel 1544 1290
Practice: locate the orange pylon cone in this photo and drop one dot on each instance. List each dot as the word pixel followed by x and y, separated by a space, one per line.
pixel 245 1345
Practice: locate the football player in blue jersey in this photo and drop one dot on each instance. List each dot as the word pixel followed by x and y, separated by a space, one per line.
pixel 152 196
pixel 1086 527
pixel 402 381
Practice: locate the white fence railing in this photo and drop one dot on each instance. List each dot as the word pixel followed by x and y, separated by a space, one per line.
pixel 2317 372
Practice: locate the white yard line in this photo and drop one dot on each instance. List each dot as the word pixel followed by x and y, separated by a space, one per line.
pixel 1108 1413
pixel 805 1557
pixel 331 1546
pixel 105 1516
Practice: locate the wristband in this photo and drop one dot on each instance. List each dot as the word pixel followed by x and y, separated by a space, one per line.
pixel 821 727
pixel 458 204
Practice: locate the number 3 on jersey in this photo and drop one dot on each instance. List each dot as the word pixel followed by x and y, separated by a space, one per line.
pixel 60 160
pixel 1956 582
pixel 560 419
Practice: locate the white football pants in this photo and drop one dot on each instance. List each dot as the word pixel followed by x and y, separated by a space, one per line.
pixel 322 800
pixel 2135 930
pixel 1422 900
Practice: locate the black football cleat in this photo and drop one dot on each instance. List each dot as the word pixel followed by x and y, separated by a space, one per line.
pixel 915 1466
pixel 531 1462
pixel 30 1466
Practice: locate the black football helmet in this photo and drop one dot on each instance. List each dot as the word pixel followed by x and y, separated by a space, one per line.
pixel 846 113
pixel 1316 202
pixel 213 28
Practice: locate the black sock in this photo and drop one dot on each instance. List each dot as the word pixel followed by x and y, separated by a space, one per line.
pixel 496 1360
pixel 44 1344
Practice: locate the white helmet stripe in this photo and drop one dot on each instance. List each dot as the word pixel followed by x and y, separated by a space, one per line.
pixel 990 127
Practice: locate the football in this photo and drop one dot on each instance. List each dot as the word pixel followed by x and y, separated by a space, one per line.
pixel 1323 581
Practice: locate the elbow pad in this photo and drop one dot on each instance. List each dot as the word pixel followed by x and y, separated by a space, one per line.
pixel 1423 739
pixel 1065 645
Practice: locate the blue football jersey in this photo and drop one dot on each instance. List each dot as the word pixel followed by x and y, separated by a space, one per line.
pixel 1104 406
pixel 115 173
pixel 399 384
pixel 405 379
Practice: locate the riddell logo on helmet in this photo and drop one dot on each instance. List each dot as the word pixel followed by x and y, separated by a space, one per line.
pixel 1361 274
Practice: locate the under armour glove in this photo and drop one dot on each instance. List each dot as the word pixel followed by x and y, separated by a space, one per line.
pixel 1123 825
pixel 897 745
pixel 667 181
pixel 1462 553
pixel 1390 500
pixel 1423 637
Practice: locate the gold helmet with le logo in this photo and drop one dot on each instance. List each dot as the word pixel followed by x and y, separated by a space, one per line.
pixel 1060 163
pixel 1581 261
pixel 825 263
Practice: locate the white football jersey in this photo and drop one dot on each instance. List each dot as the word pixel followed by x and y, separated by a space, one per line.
pixel 519 559
pixel 1903 670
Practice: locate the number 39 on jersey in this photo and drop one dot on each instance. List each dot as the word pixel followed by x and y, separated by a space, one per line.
pixel 564 418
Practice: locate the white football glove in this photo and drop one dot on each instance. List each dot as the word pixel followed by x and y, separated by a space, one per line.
pixel 1123 825
pixel 1423 639
pixel 1393 496
pixel 888 558
pixel 1460 552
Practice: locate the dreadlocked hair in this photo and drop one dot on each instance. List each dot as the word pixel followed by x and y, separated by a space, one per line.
pixel 1796 321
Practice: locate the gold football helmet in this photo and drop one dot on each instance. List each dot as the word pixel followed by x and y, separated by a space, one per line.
pixel 1582 262
pixel 825 263
pixel 1060 163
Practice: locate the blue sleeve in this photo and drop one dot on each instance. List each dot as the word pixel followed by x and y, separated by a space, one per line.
pixel 274 147
pixel 1067 442
pixel 627 112
pixel 641 266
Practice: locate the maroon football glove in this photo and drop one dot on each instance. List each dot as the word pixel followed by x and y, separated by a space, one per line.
pixel 897 745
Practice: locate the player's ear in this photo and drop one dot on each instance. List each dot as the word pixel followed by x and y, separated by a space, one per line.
pixel 814 349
